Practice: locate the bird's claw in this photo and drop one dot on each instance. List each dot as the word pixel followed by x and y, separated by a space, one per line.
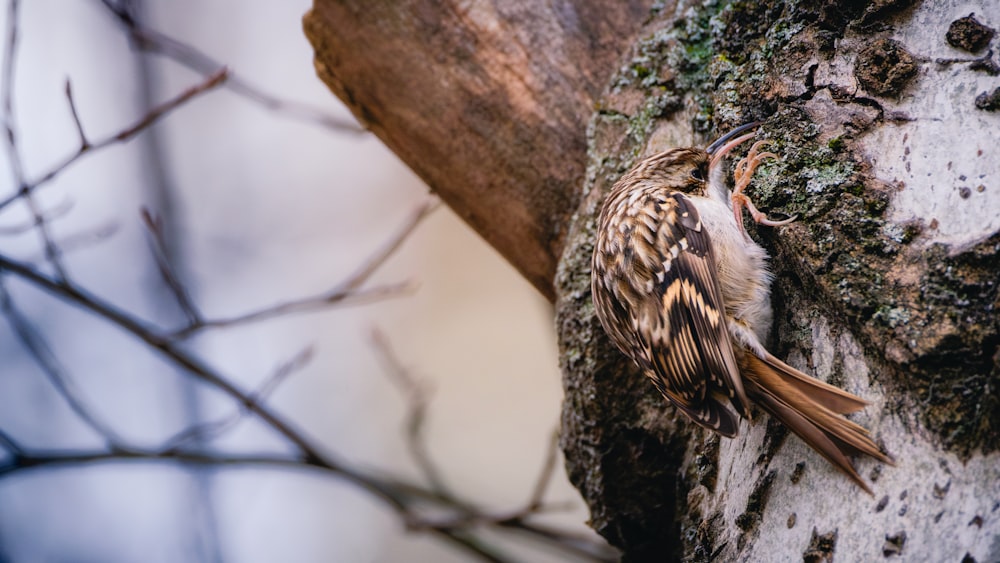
pixel 742 174
pixel 763 220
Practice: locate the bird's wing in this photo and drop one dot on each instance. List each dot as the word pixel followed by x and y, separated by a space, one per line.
pixel 667 287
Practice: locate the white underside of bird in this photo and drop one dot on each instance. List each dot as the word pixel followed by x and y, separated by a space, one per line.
pixel 743 274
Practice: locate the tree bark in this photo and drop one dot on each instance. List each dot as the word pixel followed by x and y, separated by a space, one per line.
pixel 886 285
pixel 486 101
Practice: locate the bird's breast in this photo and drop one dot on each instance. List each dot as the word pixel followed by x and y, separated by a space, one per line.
pixel 743 273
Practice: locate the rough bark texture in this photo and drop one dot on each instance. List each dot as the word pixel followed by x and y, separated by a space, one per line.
pixel 886 285
pixel 487 101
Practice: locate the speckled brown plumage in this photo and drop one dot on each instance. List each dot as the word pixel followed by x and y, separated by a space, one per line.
pixel 683 291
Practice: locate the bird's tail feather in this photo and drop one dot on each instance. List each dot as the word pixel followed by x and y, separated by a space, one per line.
pixel 811 409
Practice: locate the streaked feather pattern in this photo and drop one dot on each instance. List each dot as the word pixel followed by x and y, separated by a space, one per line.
pixel 662 280
pixel 692 314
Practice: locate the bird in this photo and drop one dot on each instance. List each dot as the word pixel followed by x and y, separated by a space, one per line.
pixel 684 292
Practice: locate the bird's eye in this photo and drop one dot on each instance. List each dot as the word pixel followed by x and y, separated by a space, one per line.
pixel 697 174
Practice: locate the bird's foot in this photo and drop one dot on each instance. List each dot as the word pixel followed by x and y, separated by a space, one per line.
pixel 742 174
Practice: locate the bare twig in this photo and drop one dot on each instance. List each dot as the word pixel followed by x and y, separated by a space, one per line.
pixel 14 230
pixel 474 545
pixel 52 252
pixel 152 41
pixel 310 452
pixel 151 117
pixel 10 444
pixel 76 115
pixel 65 290
pixel 22 460
pixel 209 430
pixel 88 237
pixel 379 257
pixel 456 530
pixel 213 80
pixel 466 516
pixel 51 214
pixel 579 545
pixel 417 398
pixel 39 350
pixel 9 61
pixel 304 305
pixel 545 475
pixel 158 246
pixel 346 292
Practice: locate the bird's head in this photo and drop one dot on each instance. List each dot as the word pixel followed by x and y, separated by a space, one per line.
pixel 688 170
pixel 684 170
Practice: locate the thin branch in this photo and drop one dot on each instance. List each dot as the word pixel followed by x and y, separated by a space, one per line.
pixel 210 430
pixel 10 444
pixel 545 475
pixel 21 461
pixel 27 461
pixel 152 41
pixel 49 215
pixel 9 61
pixel 52 252
pixel 386 250
pixel 346 292
pixel 71 293
pixel 89 237
pixel 215 79
pixel 304 305
pixel 40 351
pixel 67 291
pixel 473 545
pixel 455 530
pixel 122 136
pixel 76 115
pixel 417 399
pixel 467 516
pixel 580 545
pixel 158 246
pixel 310 451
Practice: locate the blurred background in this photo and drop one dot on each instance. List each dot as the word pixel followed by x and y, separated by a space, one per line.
pixel 257 209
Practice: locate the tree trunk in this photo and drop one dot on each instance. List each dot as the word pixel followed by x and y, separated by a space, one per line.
pixel 886 285
pixel 486 101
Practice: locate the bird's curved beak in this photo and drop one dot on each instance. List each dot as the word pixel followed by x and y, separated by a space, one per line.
pixel 726 143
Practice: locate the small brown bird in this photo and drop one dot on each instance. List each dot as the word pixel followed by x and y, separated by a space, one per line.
pixel 684 292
